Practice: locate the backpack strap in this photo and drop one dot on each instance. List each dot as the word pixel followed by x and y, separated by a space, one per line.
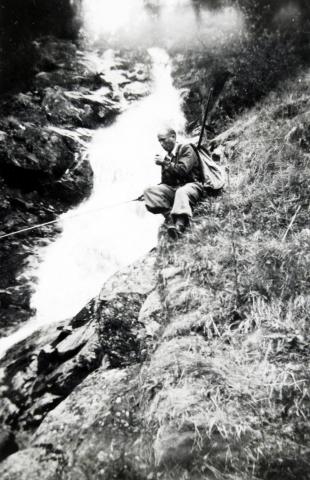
pixel 199 161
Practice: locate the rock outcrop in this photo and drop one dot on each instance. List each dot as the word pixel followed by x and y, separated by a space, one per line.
pixel 108 333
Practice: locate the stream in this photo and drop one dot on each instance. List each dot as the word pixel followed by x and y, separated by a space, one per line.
pixel 94 245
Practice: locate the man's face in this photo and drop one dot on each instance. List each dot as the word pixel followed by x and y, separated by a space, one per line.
pixel 167 141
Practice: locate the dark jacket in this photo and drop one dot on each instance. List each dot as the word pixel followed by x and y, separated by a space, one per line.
pixel 183 168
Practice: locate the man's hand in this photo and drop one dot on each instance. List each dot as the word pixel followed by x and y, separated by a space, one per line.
pixel 159 159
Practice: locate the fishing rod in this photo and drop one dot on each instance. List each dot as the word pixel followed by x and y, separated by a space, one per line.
pixel 205 117
pixel 219 82
pixel 39 225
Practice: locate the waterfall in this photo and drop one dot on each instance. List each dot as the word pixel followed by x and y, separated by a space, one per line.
pixel 93 246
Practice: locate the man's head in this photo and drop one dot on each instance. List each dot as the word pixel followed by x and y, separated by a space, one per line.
pixel 167 138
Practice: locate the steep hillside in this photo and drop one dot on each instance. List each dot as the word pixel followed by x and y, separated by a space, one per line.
pixel 192 364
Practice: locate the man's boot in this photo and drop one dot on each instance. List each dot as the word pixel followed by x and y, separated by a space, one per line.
pixel 180 224
pixel 168 219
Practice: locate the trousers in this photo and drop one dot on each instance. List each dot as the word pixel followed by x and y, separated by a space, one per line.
pixel 176 200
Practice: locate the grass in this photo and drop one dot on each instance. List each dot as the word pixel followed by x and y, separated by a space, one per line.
pixel 231 372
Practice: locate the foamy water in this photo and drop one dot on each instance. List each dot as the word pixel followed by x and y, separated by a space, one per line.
pixel 93 246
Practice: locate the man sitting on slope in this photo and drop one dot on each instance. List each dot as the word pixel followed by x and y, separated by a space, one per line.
pixel 181 183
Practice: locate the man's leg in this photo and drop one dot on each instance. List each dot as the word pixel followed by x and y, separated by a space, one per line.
pixel 159 199
pixel 185 198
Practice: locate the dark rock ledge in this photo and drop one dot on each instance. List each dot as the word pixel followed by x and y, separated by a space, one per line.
pixel 109 335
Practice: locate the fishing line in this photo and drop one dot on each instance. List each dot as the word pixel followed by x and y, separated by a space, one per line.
pixel 106 207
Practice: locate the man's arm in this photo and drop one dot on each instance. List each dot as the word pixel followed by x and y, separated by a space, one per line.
pixel 187 160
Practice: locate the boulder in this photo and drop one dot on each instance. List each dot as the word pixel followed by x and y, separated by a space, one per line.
pixel 35 463
pixel 98 105
pixel 151 314
pixel 44 369
pixel 8 410
pixel 136 90
pixel 31 157
pixel 139 277
pixel 59 109
pixel 45 403
pixel 91 434
pixel 8 444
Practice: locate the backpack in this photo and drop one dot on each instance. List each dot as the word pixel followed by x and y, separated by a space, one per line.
pixel 213 174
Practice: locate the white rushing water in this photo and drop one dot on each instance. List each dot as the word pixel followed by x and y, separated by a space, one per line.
pixel 93 246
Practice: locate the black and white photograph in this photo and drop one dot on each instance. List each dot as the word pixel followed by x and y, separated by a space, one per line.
pixel 154 239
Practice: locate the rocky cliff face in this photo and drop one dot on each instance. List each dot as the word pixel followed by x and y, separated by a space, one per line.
pixel 108 333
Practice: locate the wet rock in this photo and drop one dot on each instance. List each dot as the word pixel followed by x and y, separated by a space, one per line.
pixel 95 429
pixel 140 277
pixel 59 110
pixel 81 108
pixel 47 356
pixel 179 294
pixel 31 157
pixel 13 295
pixel 8 444
pixel 151 313
pixel 71 367
pixel 8 410
pixel 118 77
pixel 14 300
pixel 74 341
pixel 65 330
pixel 45 403
pixel 44 369
pixel 140 73
pixel 119 329
pixel 136 90
pixel 19 109
pixel 97 105
pixel 74 185
pixel 35 463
